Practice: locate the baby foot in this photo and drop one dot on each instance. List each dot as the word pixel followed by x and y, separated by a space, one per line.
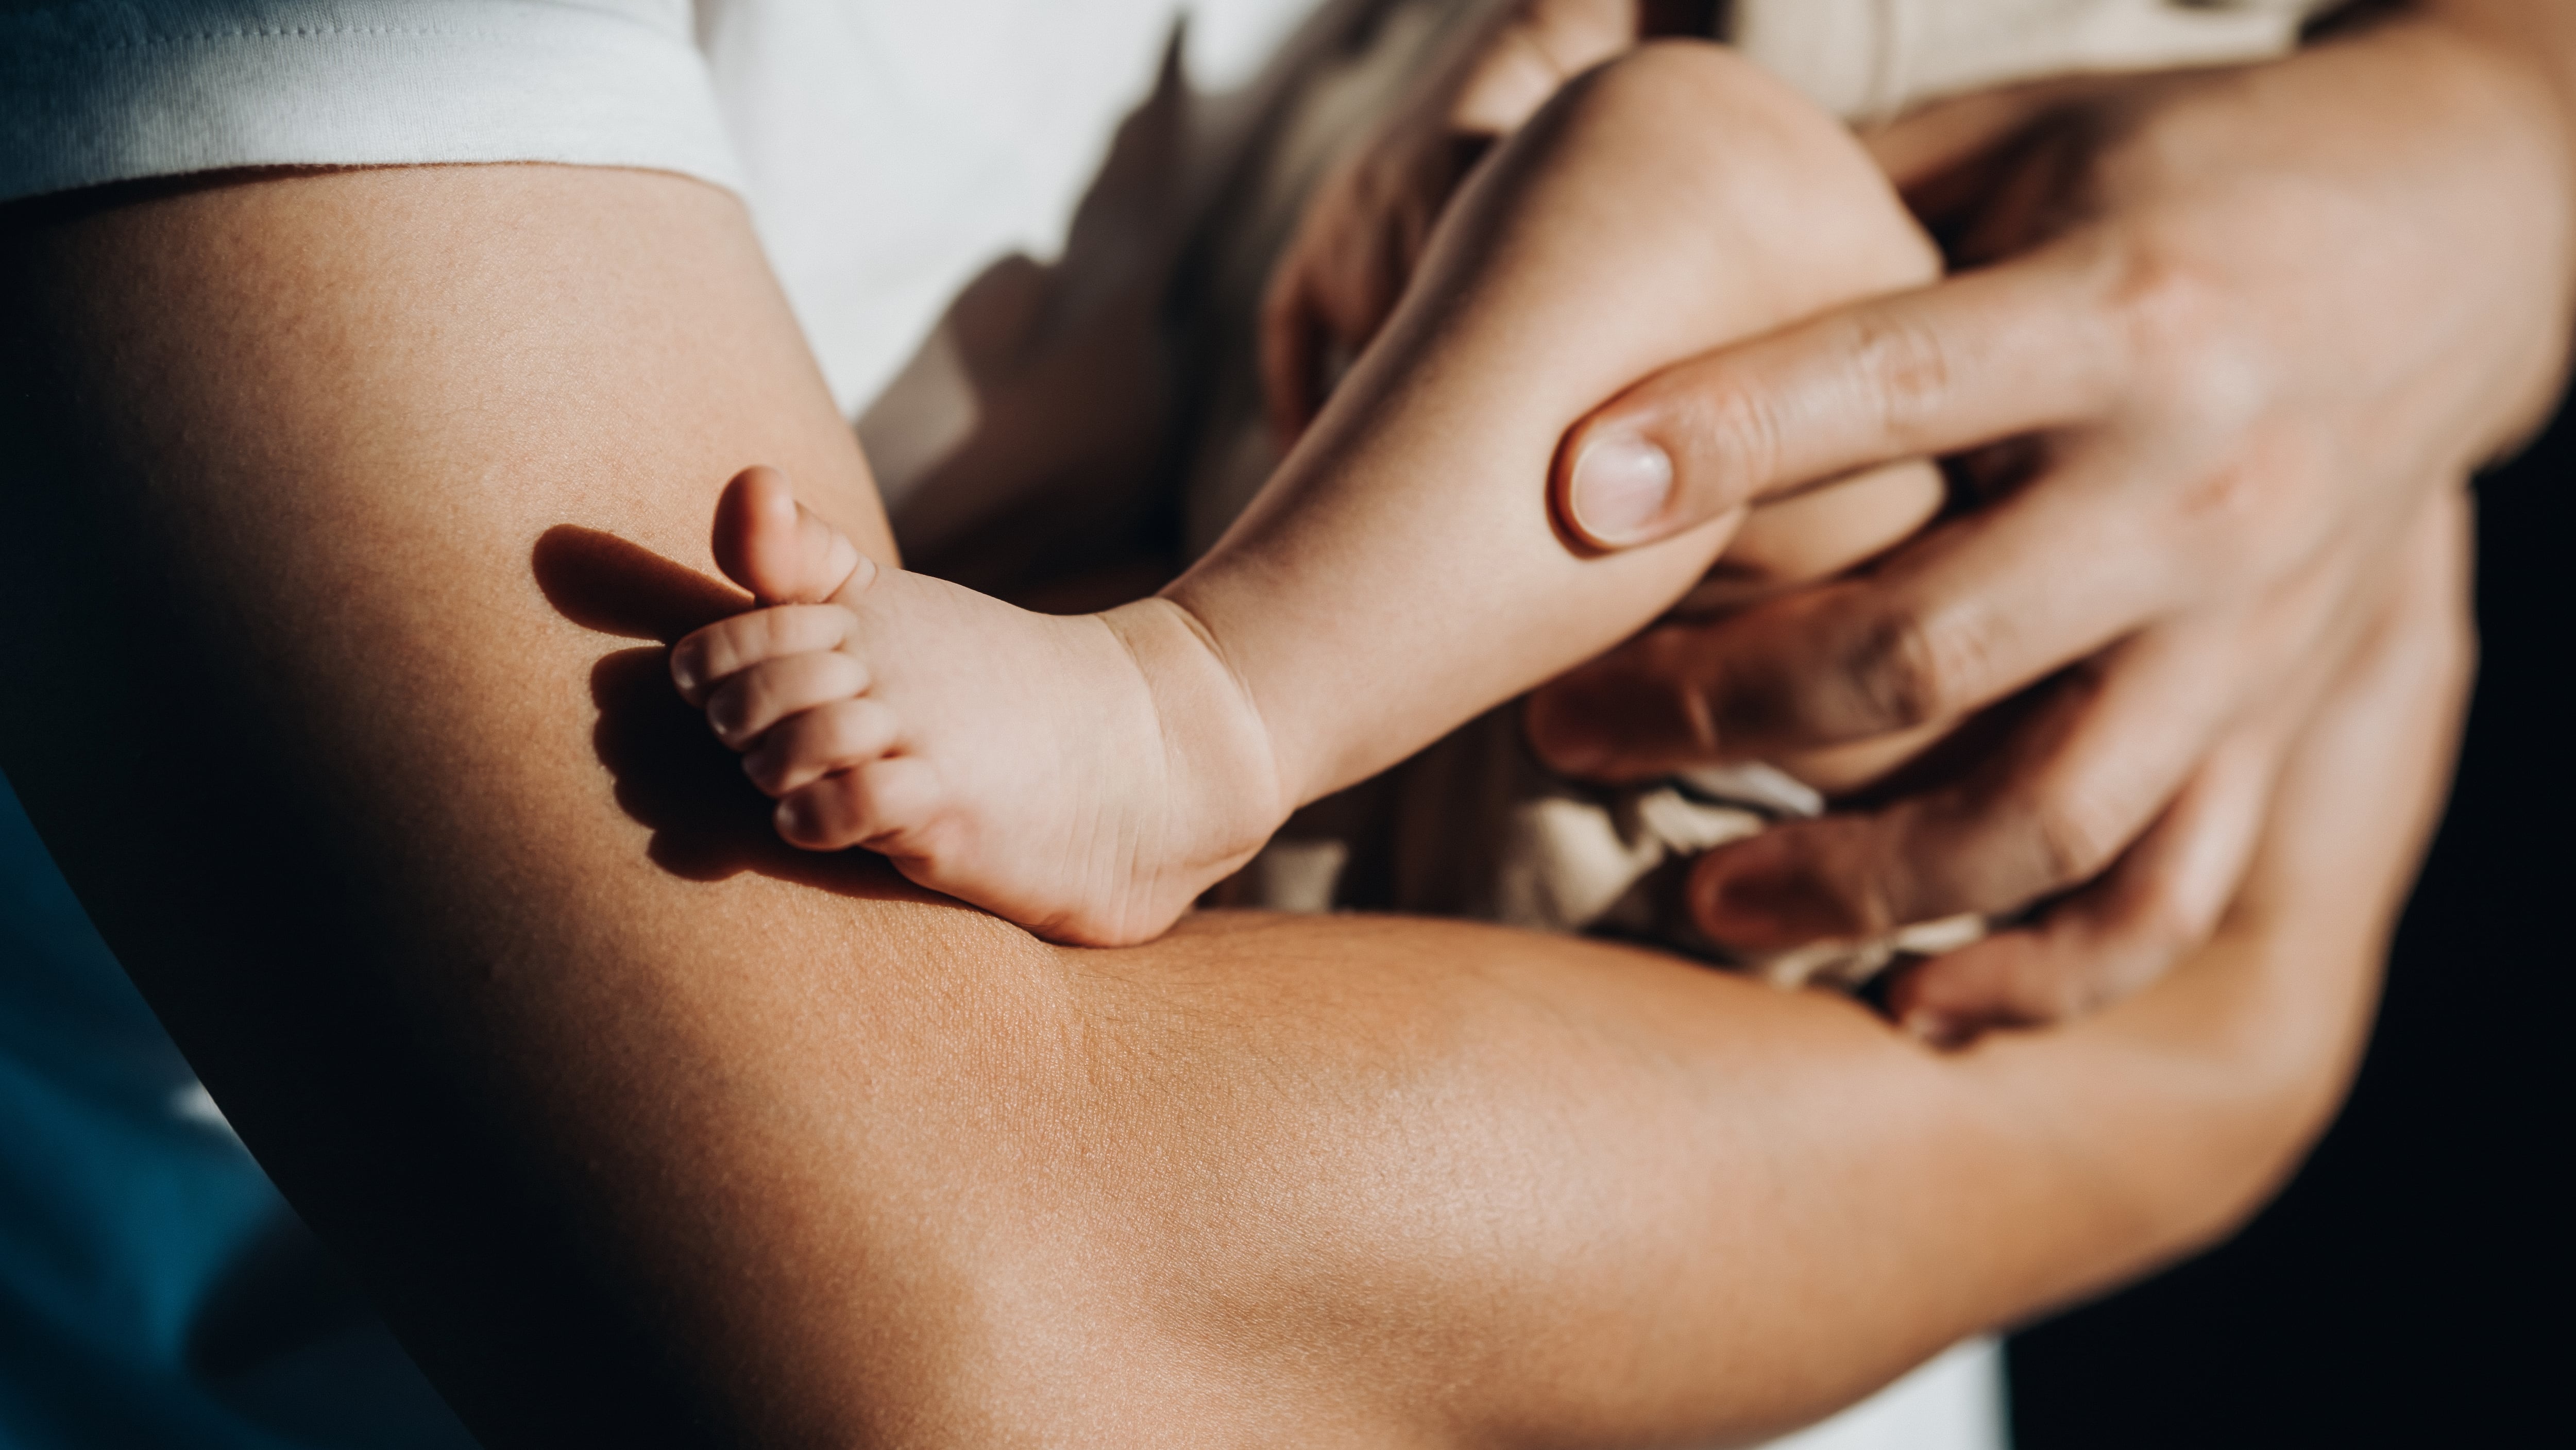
pixel 1084 776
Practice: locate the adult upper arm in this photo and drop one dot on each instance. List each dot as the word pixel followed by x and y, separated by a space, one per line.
pixel 328 694
pixel 347 508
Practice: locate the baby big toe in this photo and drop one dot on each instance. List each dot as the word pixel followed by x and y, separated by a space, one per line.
pixel 806 746
pixel 777 548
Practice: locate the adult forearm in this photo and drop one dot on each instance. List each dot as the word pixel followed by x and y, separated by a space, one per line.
pixel 1513 1191
pixel 642 1126
pixel 1418 1183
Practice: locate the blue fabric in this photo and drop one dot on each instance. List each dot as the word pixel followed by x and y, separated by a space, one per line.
pixel 154 1289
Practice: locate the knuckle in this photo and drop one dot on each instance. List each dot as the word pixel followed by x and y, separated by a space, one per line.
pixel 2265 504
pixel 2165 303
pixel 1911 669
pixel 1906 368
pixel 2188 339
pixel 2222 502
pixel 1732 431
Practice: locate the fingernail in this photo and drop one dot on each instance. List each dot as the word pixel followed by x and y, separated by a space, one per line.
pixel 684 670
pixel 1937 1029
pixel 1622 485
pixel 791 818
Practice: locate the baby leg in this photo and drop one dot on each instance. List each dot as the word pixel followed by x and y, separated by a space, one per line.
pixel 1402 571
pixel 1089 776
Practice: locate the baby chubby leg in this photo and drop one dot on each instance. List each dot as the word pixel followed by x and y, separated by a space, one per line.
pixel 1403 571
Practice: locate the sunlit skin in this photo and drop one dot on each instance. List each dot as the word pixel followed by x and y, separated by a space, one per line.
pixel 1090 776
pixel 2221 418
pixel 352 512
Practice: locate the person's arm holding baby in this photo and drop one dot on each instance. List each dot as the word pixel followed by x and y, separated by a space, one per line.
pixel 350 508
pixel 667 1137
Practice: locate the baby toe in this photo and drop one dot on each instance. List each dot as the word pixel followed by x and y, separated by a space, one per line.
pixel 724 649
pixel 881 804
pixel 746 706
pixel 810 744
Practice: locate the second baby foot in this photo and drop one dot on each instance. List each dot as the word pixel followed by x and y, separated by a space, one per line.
pixel 1085 776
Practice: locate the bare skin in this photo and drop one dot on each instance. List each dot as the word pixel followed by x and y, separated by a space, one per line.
pixel 1085 776
pixel 2228 417
pixel 1090 777
pixel 340 499
pixel 2122 243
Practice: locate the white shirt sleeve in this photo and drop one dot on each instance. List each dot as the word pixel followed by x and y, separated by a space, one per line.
pixel 95 91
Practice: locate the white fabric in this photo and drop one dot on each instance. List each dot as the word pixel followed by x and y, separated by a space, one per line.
pixel 1956 1402
pixel 888 149
pixel 894 148
pixel 1866 58
pixel 113 90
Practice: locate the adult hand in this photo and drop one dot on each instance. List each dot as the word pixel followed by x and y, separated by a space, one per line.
pixel 2242 324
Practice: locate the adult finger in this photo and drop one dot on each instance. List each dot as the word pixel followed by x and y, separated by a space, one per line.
pixel 2101 755
pixel 2362 785
pixel 1975 610
pixel 1978 357
pixel 2168 893
pixel 2118 934
pixel 2357 782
